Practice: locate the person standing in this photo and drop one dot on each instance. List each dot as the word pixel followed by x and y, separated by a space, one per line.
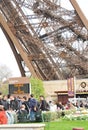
pixel 33 107
pixel 3 117
pixel 44 106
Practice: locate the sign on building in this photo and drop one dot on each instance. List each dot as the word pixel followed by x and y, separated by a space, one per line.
pixel 19 85
pixel 70 86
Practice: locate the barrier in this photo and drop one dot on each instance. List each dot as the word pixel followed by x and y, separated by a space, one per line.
pixel 32 126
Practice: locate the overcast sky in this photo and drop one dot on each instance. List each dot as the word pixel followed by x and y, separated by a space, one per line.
pixel 6 54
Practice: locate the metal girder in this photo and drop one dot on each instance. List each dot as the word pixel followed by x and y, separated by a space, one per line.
pixel 16 44
pixel 51 40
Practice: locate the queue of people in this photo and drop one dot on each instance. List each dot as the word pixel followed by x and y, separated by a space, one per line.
pixel 21 109
pixel 29 109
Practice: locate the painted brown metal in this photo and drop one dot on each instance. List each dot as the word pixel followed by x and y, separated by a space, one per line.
pixel 80 12
pixel 50 40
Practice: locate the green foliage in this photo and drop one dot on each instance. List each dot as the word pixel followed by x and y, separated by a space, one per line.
pixel 4 89
pixel 37 87
pixel 51 116
pixel 70 111
pixel 46 116
pixel 76 117
pixel 59 123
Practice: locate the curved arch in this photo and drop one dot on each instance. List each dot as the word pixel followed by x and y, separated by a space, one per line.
pixel 15 45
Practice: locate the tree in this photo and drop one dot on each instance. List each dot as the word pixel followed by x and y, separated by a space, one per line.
pixel 4 89
pixel 36 87
pixel 5 73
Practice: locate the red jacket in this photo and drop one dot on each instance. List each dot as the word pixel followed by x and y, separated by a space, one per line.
pixel 3 117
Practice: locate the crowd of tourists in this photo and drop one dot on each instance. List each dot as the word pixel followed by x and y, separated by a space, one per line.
pixel 28 109
pixel 22 109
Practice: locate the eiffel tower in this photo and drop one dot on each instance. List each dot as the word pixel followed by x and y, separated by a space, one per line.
pixel 51 41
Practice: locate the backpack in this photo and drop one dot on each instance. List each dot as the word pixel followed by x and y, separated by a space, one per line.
pixel 38 116
pixel 22 116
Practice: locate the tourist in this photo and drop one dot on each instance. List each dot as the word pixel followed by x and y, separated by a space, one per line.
pixel 3 116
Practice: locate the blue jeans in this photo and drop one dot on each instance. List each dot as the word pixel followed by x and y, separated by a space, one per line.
pixel 32 115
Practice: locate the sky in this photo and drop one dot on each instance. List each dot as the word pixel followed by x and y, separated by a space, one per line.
pixel 84 6
pixel 82 3
pixel 6 54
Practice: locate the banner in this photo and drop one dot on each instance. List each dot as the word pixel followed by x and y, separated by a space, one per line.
pixel 70 86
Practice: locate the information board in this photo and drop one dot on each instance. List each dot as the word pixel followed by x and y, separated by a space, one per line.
pixel 19 85
pixel 19 88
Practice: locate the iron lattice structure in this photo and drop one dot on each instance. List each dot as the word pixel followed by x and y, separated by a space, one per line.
pixel 47 38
